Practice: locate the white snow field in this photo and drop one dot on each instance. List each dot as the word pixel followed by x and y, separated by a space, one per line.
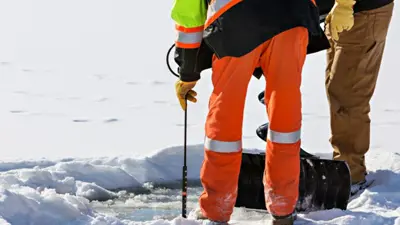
pixel 90 126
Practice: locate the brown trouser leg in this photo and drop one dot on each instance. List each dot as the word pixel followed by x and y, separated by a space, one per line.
pixel 353 64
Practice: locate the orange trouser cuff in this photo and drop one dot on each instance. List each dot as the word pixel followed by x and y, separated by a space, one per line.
pixel 219 176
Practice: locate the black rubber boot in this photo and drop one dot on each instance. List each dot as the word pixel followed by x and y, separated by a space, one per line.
pixel 284 220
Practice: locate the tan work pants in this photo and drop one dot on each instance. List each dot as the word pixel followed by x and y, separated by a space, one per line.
pixel 353 64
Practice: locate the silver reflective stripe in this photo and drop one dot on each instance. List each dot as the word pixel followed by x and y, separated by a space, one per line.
pixel 284 138
pixel 222 146
pixel 189 38
pixel 215 6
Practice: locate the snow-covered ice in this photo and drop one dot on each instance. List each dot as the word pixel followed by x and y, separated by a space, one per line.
pixel 60 193
pixel 91 132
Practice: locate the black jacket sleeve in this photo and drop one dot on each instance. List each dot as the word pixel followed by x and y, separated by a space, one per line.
pixel 186 60
pixel 192 62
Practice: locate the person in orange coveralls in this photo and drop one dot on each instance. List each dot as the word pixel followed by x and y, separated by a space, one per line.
pixel 245 35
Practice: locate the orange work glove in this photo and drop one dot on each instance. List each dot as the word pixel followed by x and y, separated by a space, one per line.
pixel 184 89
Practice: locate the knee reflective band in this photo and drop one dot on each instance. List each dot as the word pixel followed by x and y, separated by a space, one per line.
pixel 284 138
pixel 222 146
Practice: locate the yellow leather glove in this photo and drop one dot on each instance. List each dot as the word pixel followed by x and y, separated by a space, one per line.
pixel 340 18
pixel 184 89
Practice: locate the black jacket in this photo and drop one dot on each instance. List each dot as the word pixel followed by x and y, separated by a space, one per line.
pixel 250 23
